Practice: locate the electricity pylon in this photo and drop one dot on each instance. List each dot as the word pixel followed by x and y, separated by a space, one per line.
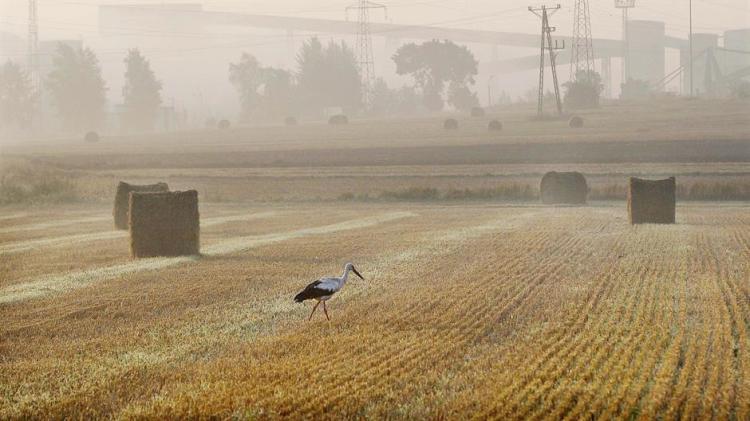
pixel 547 45
pixel 582 56
pixel 363 47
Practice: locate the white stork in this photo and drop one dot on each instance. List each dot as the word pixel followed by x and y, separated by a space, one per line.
pixel 324 288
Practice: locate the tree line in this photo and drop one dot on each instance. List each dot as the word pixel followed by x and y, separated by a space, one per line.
pixel 77 91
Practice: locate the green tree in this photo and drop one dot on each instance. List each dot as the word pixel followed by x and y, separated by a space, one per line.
pixel 141 93
pixel 264 92
pixel 77 88
pixel 17 97
pixel 432 65
pixel 328 77
pixel 584 91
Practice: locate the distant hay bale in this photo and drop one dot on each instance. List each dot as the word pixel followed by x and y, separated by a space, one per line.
pixel 652 201
pixel 91 137
pixel 477 112
pixel 575 122
pixel 563 188
pixel 450 124
pixel 120 211
pixel 164 224
pixel 290 121
pixel 338 120
pixel 495 126
pixel 223 124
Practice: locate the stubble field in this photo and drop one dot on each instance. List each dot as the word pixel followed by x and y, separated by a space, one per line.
pixel 495 311
pixel 483 308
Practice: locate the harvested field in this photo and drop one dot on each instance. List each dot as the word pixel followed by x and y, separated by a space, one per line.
pixel 549 290
pixel 478 300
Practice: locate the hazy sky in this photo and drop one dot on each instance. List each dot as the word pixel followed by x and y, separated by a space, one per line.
pixel 76 19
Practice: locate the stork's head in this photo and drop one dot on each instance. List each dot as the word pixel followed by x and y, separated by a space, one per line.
pixel 350 267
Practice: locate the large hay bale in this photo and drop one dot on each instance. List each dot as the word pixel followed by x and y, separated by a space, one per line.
pixel 290 121
pixel 495 126
pixel 164 224
pixel 338 120
pixel 450 124
pixel 91 137
pixel 564 188
pixel 575 122
pixel 120 211
pixel 477 112
pixel 224 124
pixel 652 201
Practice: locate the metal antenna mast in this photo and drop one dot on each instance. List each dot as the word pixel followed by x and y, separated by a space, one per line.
pixel 547 45
pixel 363 47
pixel 582 56
pixel 33 57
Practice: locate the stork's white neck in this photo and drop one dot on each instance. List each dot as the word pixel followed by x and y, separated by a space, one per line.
pixel 345 276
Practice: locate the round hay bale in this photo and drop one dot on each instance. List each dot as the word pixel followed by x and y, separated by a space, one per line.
pixel 494 126
pixel 450 124
pixel 223 124
pixel 575 122
pixel 91 137
pixel 290 121
pixel 338 120
pixel 568 188
pixel 477 112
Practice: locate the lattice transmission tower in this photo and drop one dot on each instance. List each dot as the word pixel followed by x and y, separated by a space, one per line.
pixel 363 47
pixel 582 56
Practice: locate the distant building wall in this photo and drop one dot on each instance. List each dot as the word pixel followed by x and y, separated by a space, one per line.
pixel 738 39
pixel 646 50
pixel 701 43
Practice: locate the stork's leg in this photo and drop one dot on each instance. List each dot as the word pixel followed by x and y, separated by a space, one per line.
pixel 325 310
pixel 312 312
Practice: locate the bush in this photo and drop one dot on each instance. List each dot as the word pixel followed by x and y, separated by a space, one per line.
pixel 584 91
pixel 338 120
pixel 224 124
pixel 494 126
pixel 450 124
pixel 26 184
pixel 575 122
pixel 635 89
pixel 412 193
pixel 290 121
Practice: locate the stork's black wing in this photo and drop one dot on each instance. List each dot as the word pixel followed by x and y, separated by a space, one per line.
pixel 316 289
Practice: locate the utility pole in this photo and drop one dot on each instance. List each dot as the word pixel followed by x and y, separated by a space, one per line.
pixel 691 47
pixel 33 41
pixel 625 64
pixel 363 46
pixel 547 45
pixel 582 56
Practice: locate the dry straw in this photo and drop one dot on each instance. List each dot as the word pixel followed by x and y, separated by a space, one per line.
pixel 120 211
pixel 652 201
pixel 575 122
pixel 164 224
pixel 563 188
